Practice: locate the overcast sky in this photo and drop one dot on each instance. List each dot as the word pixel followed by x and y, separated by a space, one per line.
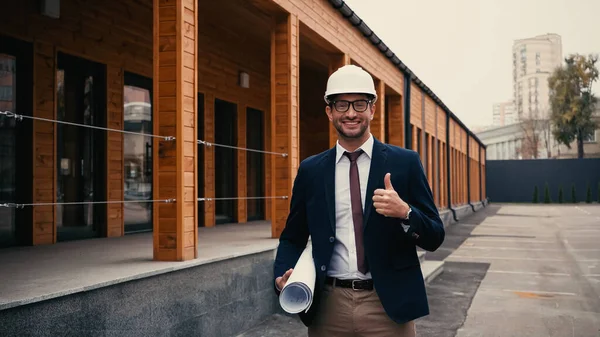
pixel 462 49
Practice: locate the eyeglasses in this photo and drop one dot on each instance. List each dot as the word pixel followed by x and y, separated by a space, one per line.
pixel 359 105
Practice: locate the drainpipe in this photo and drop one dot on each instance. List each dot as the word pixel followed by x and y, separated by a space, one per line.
pixel 407 128
pixel 480 180
pixel 448 168
pixel 469 171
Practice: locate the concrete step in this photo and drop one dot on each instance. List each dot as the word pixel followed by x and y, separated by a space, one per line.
pixel 431 270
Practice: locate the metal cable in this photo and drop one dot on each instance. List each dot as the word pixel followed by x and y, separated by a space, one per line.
pixel 20 118
pixel 208 144
pixel 14 205
pixel 236 198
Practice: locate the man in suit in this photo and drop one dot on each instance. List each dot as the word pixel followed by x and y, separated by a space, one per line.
pixel 366 206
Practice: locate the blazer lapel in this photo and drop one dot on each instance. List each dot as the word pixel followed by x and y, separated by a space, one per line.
pixel 376 174
pixel 329 184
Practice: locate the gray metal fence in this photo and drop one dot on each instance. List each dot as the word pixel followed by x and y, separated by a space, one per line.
pixel 516 180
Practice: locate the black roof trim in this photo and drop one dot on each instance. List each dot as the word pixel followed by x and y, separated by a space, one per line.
pixel 356 21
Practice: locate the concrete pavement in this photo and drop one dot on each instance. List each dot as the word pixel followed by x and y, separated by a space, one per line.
pixel 544 272
pixel 510 270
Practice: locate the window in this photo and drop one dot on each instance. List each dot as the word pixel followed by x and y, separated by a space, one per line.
pixel 591 138
pixel 137 109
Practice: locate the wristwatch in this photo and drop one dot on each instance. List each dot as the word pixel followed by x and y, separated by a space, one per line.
pixel 408 213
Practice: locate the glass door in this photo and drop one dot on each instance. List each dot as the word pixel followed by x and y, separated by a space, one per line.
pixel 137 149
pixel 225 161
pixel 16 96
pixel 255 164
pixel 81 151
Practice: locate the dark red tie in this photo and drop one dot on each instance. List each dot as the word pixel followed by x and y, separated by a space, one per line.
pixel 357 210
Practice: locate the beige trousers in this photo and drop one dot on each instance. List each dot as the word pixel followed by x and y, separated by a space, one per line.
pixel 346 312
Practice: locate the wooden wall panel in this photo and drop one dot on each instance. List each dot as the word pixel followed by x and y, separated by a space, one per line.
pixel 115 224
pixel 395 120
pixel 221 58
pixel 429 115
pixel 209 158
pixel 110 32
pixel 416 97
pixel 378 122
pixel 242 187
pixel 328 22
pixel 44 140
pixel 284 120
pixel 441 124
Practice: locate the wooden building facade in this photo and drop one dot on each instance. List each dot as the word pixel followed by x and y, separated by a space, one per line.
pixel 249 74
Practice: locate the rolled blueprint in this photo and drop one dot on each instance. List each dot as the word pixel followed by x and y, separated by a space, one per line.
pixel 297 294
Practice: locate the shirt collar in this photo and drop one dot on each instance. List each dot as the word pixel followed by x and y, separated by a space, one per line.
pixel 367 147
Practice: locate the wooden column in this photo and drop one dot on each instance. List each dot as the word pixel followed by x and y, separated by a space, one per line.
pixel 284 117
pixel 378 122
pixel 395 120
pixel 175 96
pixel 242 190
pixel 337 61
pixel 44 145
pixel 209 160
pixel 115 225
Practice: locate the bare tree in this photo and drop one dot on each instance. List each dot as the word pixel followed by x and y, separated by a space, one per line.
pixel 536 135
pixel 530 137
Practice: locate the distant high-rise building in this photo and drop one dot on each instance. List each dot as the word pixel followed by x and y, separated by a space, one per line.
pixel 534 60
pixel 504 114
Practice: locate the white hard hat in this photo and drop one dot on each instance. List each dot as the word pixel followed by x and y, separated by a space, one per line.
pixel 350 79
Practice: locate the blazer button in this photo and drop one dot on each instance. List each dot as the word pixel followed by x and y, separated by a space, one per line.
pixel 331 239
pixel 323 268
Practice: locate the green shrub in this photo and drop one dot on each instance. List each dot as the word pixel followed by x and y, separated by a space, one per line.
pixel 573 195
pixel 547 198
pixel 561 197
pixel 535 194
pixel 588 194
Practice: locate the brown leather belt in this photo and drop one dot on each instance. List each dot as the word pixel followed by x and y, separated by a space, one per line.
pixel 352 284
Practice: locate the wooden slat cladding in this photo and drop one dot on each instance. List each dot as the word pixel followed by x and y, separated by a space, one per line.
pixel 337 62
pixel 209 159
pixel 114 153
pixel 328 22
pixel 429 115
pixel 395 120
pixel 221 58
pixel 242 186
pixel 416 97
pixel 175 172
pixel 285 117
pixel 378 122
pixel 44 140
pixel 111 32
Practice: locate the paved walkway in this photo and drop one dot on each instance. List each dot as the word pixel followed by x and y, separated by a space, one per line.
pixel 543 272
pixel 511 270
pixel 31 274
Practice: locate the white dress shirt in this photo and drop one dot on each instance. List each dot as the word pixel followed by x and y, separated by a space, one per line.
pixel 343 263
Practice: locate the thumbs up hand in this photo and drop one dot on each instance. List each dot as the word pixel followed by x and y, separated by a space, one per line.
pixel 387 202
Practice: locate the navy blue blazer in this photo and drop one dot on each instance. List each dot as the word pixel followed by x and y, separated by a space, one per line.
pixel 390 251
